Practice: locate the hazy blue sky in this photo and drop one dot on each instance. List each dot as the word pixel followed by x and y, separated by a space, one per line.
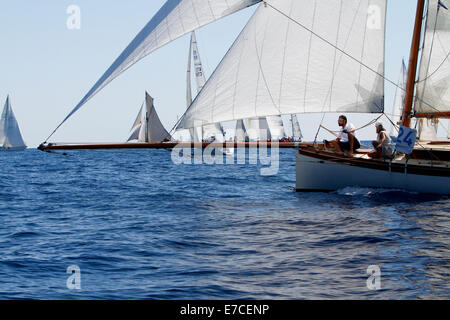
pixel 47 68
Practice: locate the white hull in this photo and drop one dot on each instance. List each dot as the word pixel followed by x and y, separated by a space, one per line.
pixel 321 175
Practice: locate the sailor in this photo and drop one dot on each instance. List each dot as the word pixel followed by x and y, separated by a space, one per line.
pixel 382 145
pixel 346 141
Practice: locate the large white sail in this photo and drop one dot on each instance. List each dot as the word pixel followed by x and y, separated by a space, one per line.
pixel 10 136
pixel 399 100
pixel 147 126
pixel 433 89
pixel 175 19
pixel 278 66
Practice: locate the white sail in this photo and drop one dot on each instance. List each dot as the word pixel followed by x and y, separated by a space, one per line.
pixel 10 136
pixel 240 134
pixel 296 131
pixel 428 129
pixel 276 127
pixel 258 129
pixel 188 76
pixel 276 66
pixel 148 127
pixel 198 67
pixel 399 100
pixel 134 136
pixel 194 56
pixel 175 19
pixel 433 89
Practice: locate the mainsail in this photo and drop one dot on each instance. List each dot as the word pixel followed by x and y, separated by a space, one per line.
pixel 214 130
pixel 10 136
pixel 175 19
pixel 148 127
pixel 298 56
pixel 433 89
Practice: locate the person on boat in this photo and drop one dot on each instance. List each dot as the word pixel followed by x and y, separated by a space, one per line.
pixel 346 141
pixel 382 146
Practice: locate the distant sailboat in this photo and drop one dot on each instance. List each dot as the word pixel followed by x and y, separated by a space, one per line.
pixel 211 132
pixel 148 127
pixel 296 131
pixel 10 136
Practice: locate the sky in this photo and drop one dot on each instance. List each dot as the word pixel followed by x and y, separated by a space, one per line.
pixel 47 67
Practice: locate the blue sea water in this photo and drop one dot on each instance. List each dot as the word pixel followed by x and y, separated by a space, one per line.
pixel 140 227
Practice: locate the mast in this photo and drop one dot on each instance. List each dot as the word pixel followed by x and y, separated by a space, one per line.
pixel 413 60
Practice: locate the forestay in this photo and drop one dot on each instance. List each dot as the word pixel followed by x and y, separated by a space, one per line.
pixel 433 89
pixel 278 66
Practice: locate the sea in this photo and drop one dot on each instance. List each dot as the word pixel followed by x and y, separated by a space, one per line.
pixel 135 224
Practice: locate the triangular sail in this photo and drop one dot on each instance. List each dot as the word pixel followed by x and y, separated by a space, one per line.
pixel 10 136
pixel 198 66
pixel 175 19
pixel 276 66
pixel 399 100
pixel 433 89
pixel 296 131
pixel 137 125
pixel 155 131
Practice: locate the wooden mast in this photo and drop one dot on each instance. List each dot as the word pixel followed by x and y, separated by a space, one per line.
pixel 413 60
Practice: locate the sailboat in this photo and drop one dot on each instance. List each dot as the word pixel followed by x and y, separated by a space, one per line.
pixel 148 127
pixel 211 132
pixel 302 56
pixel 426 167
pixel 10 136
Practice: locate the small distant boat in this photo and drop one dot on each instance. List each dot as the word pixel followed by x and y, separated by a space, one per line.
pixel 10 136
pixel 148 127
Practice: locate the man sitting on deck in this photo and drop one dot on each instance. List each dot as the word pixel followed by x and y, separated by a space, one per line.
pixel 346 140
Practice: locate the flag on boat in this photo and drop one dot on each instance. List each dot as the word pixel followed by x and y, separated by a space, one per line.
pixel 441 4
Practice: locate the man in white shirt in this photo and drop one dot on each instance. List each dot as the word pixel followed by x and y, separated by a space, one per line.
pixel 346 140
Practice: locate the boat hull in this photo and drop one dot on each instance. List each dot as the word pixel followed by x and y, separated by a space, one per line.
pixel 317 174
